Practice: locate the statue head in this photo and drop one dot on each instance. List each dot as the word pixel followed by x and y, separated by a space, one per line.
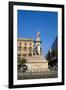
pixel 38 34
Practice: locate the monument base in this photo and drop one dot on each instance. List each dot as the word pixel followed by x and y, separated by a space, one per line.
pixel 37 67
pixel 37 64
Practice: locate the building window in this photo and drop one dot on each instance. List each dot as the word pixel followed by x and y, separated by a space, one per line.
pixel 30 44
pixel 30 48
pixel 24 54
pixel 25 44
pixel 19 48
pixel 20 43
pixel 25 48
pixel 30 51
pixel 19 56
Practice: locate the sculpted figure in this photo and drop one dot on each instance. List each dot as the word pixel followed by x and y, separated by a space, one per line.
pixel 38 43
pixel 38 34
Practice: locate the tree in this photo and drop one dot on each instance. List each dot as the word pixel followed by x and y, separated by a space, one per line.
pixel 54 53
pixel 48 57
pixel 22 61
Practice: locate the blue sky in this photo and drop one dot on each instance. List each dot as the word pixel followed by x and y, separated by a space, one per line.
pixel 30 22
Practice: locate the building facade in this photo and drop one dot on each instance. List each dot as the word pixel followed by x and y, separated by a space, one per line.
pixel 25 47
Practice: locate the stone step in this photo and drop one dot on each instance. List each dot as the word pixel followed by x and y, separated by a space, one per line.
pixel 37 67
pixel 37 61
pixel 36 58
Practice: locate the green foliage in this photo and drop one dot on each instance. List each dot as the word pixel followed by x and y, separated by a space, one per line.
pixel 48 56
pixel 22 61
pixel 54 53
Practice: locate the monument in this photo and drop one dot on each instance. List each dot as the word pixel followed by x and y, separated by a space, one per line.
pixel 31 50
pixel 37 62
pixel 38 43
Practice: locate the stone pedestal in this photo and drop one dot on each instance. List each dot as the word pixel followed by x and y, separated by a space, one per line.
pixel 37 64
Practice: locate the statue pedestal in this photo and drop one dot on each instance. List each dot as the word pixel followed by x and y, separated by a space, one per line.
pixel 37 64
